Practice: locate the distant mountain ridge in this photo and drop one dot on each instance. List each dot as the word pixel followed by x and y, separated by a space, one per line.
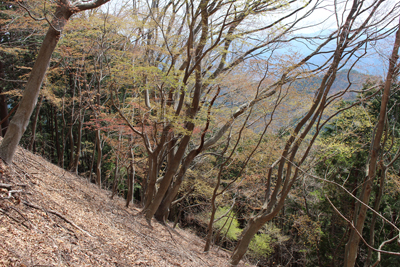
pixel 372 61
pixel 344 78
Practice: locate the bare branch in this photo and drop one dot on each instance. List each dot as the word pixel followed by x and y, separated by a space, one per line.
pixel 348 192
pixel 78 6
pixel 358 233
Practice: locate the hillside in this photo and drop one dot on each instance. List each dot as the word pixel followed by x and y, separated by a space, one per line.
pixel 50 217
pixel 341 82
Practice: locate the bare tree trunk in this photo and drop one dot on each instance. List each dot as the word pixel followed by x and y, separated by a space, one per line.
pixel 116 170
pixel 360 215
pixel 99 156
pixel 64 126
pixel 151 180
pixel 50 122
pixel 248 233
pixel 78 144
pixel 81 118
pixel 72 122
pixel 212 218
pixel 92 162
pixel 3 104
pixel 34 123
pixel 116 178
pixel 131 175
pixel 163 209
pixel 57 137
pixel 377 204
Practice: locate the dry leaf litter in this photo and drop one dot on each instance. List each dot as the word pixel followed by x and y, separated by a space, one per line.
pixel 50 217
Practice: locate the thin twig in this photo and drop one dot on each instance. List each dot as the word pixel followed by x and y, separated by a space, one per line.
pixel 9 113
pixel 358 233
pixel 38 19
pixel 14 219
pixel 348 192
pixel 5 186
pixel 380 247
pixel 13 81
pixel 22 215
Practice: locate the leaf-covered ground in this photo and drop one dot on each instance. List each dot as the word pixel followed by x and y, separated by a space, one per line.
pixel 50 217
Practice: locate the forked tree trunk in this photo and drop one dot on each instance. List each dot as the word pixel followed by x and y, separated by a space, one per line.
pixel 249 232
pixel 163 210
pixel 20 120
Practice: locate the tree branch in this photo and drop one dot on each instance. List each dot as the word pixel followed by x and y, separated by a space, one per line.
pixel 359 234
pixel 79 6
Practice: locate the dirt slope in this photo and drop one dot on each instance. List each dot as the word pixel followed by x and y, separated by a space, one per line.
pixel 54 218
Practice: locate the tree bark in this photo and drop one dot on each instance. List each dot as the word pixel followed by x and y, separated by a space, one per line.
pixel 248 233
pixel 377 204
pixel 151 179
pixel 34 124
pixel 92 161
pixel 116 169
pixel 99 156
pixel 81 118
pixel 57 137
pixel 163 209
pixel 72 122
pixel 64 126
pixel 131 176
pixel 116 178
pixel 78 144
pixel 3 104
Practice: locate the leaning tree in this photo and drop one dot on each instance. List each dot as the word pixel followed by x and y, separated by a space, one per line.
pixel 64 9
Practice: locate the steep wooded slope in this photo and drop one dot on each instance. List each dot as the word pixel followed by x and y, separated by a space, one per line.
pixel 54 218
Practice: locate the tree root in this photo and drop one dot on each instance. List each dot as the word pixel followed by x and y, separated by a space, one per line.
pixel 59 215
pixel 14 219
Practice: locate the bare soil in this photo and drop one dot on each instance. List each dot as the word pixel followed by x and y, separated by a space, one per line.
pixel 50 217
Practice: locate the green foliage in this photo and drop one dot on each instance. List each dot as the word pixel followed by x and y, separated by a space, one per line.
pixel 260 245
pixel 229 224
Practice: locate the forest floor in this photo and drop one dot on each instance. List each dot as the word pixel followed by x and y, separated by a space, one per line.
pixel 50 217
